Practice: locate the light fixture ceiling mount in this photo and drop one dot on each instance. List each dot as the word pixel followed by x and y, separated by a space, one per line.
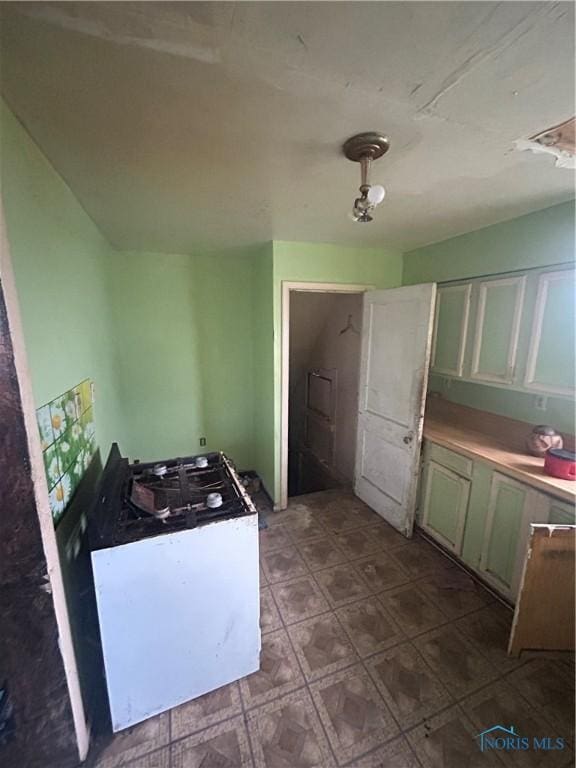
pixel 364 148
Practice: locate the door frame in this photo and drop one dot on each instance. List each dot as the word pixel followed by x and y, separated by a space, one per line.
pixel 287 287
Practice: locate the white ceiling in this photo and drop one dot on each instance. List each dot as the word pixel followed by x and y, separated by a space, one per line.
pixel 187 125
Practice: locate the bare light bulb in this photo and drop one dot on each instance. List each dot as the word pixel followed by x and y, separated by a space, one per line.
pixel 376 194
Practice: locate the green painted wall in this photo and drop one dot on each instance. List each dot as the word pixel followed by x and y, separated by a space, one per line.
pixel 185 330
pixel 541 239
pixel 322 262
pixel 159 365
pixel 59 259
pixel 227 292
pixel 537 240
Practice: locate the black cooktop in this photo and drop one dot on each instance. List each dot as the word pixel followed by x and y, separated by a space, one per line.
pixel 139 500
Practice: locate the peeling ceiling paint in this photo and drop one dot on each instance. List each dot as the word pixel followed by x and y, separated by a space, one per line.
pixel 207 124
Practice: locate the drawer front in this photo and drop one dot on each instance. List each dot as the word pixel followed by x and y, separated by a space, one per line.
pixel 454 461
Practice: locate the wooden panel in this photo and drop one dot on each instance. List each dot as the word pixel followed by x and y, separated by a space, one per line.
pixel 550 365
pixel 497 329
pixel 455 461
pixel 544 616
pixel 450 329
pixel 445 503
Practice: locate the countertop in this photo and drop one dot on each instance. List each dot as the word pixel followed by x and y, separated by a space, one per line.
pixel 496 440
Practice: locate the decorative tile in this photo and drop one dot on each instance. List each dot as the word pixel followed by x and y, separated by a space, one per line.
pixel 408 685
pixel 283 565
pixel 89 430
pixel 279 672
pixel 274 538
pixel 269 615
pixel 263 579
pixel 207 710
pixel 67 450
pixel 45 426
pixel 395 754
pixel 454 592
pixel 84 396
pixel 51 466
pixel 321 553
pixel 419 559
pixel 413 611
pixel 353 713
pixel 322 646
pixel 59 417
pixel 357 543
pixel 448 741
pixel 462 668
pixel 59 496
pixel 499 704
pixel 287 734
pixel 369 626
pixel 489 630
pixel 299 599
pixel 338 520
pixel 304 523
pixel 548 685
pixel 381 572
pixel 223 746
pixel 135 742
pixel 386 536
pixel 341 584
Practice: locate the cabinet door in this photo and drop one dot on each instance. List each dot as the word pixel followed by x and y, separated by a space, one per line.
pixel 561 514
pixel 497 329
pixel 550 366
pixel 450 329
pixel 507 522
pixel 444 507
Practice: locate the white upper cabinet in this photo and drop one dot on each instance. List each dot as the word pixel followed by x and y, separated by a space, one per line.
pixel 497 329
pixel 451 329
pixel 550 365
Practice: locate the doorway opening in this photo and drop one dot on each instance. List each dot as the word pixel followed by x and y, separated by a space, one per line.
pixel 323 375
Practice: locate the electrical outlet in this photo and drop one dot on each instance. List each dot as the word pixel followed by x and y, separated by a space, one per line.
pixel 540 402
pixel 202 441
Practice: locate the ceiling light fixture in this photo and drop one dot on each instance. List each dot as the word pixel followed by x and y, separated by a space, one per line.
pixel 364 148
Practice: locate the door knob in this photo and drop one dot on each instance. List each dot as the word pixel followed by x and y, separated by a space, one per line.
pixel 408 438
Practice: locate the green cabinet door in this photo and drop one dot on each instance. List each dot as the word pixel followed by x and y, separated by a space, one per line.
pixel 444 505
pixel 502 536
pixel 562 514
pixel 450 329
pixel 550 366
pixel 497 329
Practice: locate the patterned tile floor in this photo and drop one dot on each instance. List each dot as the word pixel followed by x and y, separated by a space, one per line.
pixel 376 653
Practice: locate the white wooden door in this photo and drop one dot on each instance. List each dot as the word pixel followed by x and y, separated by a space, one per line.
pixel 396 340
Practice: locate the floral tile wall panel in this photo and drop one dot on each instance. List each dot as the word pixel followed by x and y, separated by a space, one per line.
pixel 68 437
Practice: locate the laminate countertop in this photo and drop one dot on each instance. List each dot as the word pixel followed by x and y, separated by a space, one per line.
pixel 495 440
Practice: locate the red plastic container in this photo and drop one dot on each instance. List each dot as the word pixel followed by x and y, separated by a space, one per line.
pixel 560 464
